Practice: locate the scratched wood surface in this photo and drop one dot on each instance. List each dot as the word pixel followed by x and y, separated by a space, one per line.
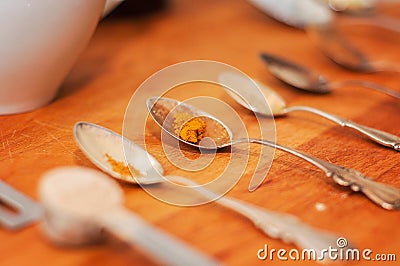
pixel 125 51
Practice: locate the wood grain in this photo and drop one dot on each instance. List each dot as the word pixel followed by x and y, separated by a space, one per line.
pixel 125 51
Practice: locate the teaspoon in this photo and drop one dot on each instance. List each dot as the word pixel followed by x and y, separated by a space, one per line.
pixel 279 108
pixel 164 109
pixel 301 14
pixel 96 141
pixel 364 12
pixel 356 7
pixel 343 53
pixel 317 20
pixel 302 78
pixel 80 203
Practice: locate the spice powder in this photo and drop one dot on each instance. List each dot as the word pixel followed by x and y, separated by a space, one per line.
pixel 123 169
pixel 189 128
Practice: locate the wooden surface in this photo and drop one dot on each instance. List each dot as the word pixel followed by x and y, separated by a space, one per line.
pixel 124 52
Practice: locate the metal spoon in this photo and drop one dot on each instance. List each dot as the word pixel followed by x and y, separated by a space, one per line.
pixel 80 203
pixel 16 209
pixel 95 141
pixel 279 108
pixel 295 13
pixel 301 14
pixel 357 7
pixel 343 53
pixel 318 21
pixel 302 78
pixel 385 196
pixel 364 12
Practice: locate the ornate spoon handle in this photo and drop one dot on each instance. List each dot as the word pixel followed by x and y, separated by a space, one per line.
pixel 381 137
pixel 276 225
pixel 384 195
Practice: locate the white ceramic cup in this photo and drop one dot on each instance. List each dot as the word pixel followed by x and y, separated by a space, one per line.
pixel 40 42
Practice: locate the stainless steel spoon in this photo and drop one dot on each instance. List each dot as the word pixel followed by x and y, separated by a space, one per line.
pixel 345 54
pixel 96 141
pixel 356 7
pixel 279 108
pixel 301 14
pixel 295 13
pixel 302 78
pixel 81 203
pixel 16 209
pixel 163 110
pixel 365 12
pixel 318 21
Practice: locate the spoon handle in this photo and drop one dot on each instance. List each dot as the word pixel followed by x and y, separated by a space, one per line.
pixel 164 248
pixel 382 21
pixel 366 84
pixel 385 196
pixel 385 66
pixel 381 137
pixel 276 225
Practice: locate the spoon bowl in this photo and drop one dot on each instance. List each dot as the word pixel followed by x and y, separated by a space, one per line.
pixel 165 110
pixel 302 78
pixel 295 13
pixel 295 75
pixel 353 7
pixel 88 136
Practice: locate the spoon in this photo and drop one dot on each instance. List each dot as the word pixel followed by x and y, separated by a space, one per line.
pixel 279 108
pixel 317 20
pixel 301 14
pixel 95 140
pixel 81 202
pixel 364 12
pixel 385 196
pixel 343 53
pixel 16 209
pixel 307 80
pixel 295 13
pixel 358 7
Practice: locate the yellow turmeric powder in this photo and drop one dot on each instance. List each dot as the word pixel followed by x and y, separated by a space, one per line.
pixel 122 169
pixel 193 130
pixel 189 128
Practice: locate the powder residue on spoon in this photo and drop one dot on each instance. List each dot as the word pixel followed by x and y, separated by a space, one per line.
pixel 193 130
pixel 189 128
pixel 121 168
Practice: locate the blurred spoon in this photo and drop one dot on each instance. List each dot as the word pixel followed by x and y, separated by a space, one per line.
pixel 301 14
pixel 365 12
pixel 318 21
pixel 302 78
pixel 279 108
pixel 343 53
pixel 295 13
pixel 80 203
pixel 217 136
pixel 357 7
pixel 96 141
pixel 16 209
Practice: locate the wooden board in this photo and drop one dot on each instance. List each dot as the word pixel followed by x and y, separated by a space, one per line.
pixel 125 51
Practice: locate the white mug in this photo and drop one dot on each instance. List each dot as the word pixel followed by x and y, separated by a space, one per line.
pixel 40 42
